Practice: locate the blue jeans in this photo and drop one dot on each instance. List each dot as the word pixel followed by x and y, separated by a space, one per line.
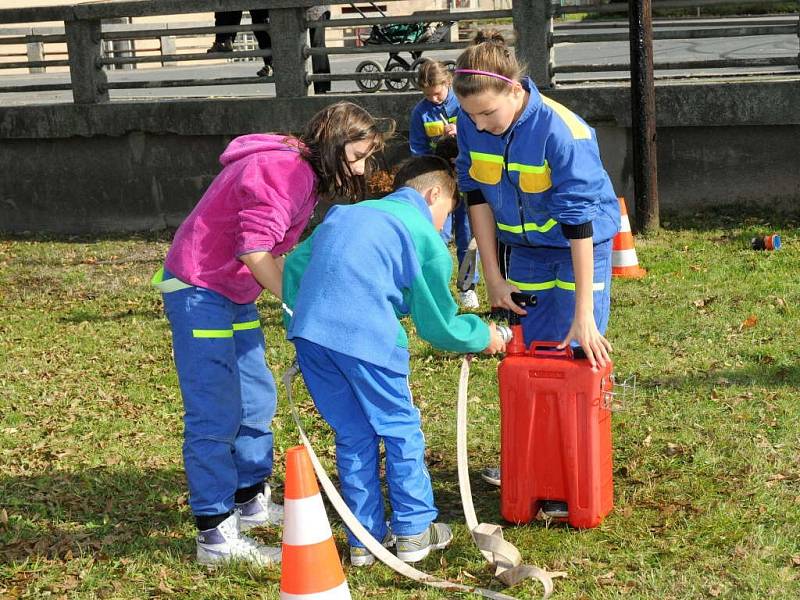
pixel 364 403
pixel 228 394
pixel 458 222
pixel 548 273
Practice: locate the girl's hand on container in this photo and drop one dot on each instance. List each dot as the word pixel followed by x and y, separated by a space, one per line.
pixel 585 332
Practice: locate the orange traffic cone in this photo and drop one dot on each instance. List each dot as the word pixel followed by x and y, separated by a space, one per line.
pixel 310 569
pixel 623 257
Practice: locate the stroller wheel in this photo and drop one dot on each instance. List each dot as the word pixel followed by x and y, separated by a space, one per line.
pixel 368 67
pixel 397 85
pixel 450 65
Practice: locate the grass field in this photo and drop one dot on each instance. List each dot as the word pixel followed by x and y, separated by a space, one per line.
pixel 707 456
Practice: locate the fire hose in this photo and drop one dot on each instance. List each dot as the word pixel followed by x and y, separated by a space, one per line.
pixel 503 555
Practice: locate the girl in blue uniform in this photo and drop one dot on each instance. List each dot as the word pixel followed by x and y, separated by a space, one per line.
pixel 433 120
pixel 533 178
pixel 531 172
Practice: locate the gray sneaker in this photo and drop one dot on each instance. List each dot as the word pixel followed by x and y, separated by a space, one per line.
pixel 261 510
pixel 225 544
pixel 361 557
pixel 491 475
pixel 413 548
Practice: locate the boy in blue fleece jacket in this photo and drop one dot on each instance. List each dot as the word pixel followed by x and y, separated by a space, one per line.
pixel 363 268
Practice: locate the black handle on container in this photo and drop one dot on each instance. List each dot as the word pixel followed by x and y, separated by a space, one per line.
pixel 523 300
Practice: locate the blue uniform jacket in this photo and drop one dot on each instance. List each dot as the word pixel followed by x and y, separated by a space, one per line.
pixel 543 172
pixel 366 266
pixel 428 121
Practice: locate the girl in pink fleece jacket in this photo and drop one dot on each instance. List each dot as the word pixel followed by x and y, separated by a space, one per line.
pixel 225 252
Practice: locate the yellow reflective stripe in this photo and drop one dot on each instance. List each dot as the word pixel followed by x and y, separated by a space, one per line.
pixel 528 168
pixel 492 158
pixel 158 277
pixel 528 227
pixel 509 228
pixel 533 287
pixel 433 127
pixel 247 325
pixel 212 333
pixel 547 285
pixel 579 130
pixel 452 119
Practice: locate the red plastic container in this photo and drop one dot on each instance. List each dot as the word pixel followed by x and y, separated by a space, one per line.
pixel 555 434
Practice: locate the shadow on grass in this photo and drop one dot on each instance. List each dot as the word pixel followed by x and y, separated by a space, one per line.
pixel 775 377
pixel 755 220
pixel 101 512
pixel 81 316
pixel 162 235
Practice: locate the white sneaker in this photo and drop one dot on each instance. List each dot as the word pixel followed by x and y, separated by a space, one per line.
pixel 469 299
pixel 224 544
pixel 261 510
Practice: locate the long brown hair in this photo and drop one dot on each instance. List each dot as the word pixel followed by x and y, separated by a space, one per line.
pixel 325 137
pixel 490 53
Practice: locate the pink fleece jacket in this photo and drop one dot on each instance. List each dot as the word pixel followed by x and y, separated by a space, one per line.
pixel 260 202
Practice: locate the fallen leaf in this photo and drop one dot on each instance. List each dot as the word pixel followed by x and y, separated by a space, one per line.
pixel 749 322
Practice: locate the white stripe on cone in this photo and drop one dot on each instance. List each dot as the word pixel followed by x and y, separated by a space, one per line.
pixel 340 592
pixel 624 224
pixel 624 258
pixel 305 521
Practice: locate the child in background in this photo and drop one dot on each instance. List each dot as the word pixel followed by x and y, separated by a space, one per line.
pixel 434 119
pixel 532 175
pixel 363 268
pixel 225 252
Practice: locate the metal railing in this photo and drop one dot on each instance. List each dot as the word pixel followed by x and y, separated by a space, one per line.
pixel 673 30
pixel 87 35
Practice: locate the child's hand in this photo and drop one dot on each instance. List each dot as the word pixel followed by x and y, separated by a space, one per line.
pixel 496 343
pixel 499 292
pixel 585 332
pixel 450 129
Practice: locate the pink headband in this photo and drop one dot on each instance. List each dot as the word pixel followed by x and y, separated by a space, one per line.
pixel 487 73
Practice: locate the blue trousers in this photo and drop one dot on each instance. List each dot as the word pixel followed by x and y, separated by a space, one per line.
pixel 228 394
pixel 458 223
pixel 548 273
pixel 364 403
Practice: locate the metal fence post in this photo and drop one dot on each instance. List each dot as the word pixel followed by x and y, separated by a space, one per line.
pixel 35 53
pixel 643 116
pixel 533 25
pixel 289 40
pixel 167 47
pixel 85 49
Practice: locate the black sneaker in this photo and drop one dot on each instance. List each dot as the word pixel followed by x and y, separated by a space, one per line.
pixel 554 509
pixel 491 475
pixel 265 71
pixel 226 46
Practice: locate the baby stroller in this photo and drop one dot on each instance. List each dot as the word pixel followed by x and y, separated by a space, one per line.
pixel 398 34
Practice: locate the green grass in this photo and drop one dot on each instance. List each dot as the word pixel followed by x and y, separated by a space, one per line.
pixel 707 455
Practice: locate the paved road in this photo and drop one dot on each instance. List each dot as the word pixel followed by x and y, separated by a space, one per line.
pixel 583 53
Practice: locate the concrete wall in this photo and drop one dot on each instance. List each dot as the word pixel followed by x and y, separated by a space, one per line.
pixel 116 167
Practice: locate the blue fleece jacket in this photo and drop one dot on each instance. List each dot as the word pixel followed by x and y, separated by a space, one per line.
pixel 543 172
pixel 365 266
pixel 428 121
